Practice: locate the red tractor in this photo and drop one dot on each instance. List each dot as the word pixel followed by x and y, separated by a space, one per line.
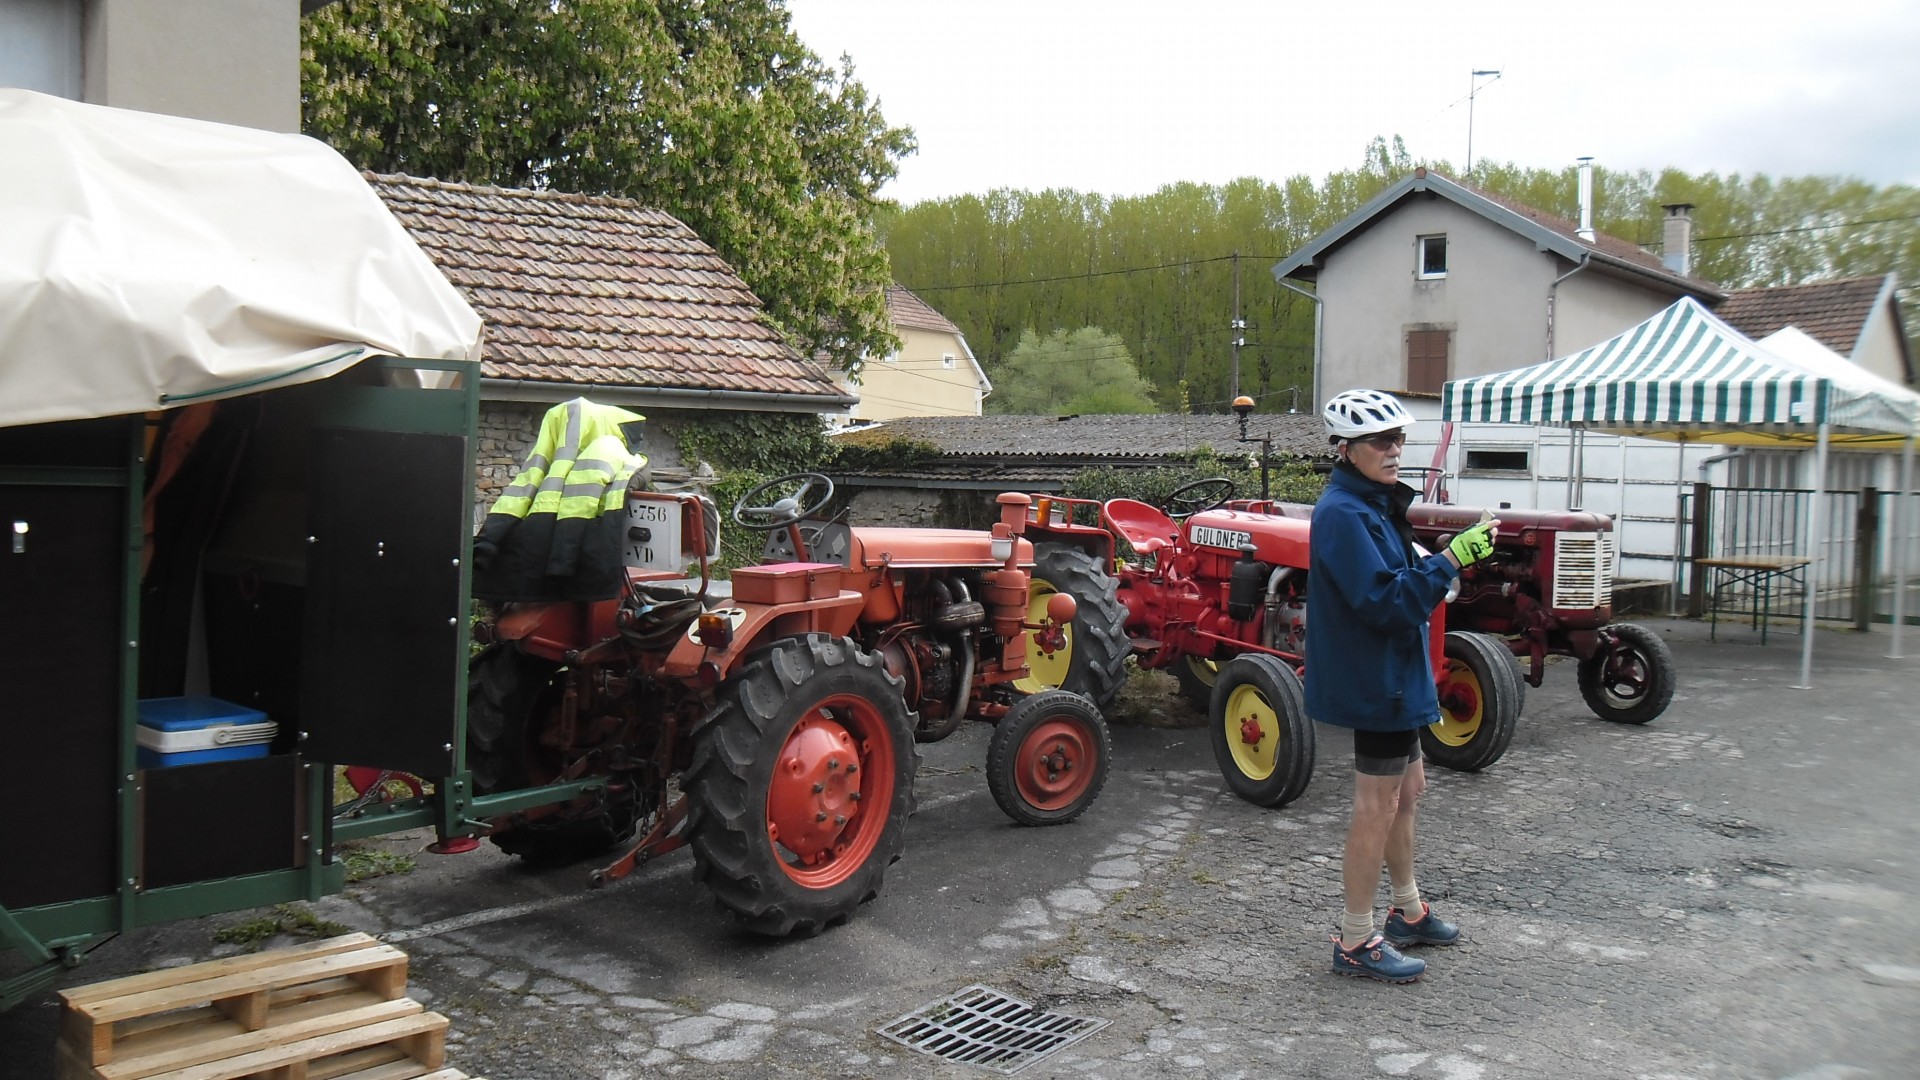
pixel 1548 590
pixel 1217 597
pixel 774 732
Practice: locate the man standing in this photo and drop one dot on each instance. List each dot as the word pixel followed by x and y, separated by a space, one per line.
pixel 1368 598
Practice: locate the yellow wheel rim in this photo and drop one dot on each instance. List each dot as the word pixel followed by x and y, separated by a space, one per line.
pixel 1462 704
pixel 1048 672
pixel 1253 732
pixel 1207 671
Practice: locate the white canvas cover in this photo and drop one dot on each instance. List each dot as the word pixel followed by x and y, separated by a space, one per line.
pixel 149 261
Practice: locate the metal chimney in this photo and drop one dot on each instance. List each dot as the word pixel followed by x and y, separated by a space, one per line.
pixel 1677 246
pixel 1586 199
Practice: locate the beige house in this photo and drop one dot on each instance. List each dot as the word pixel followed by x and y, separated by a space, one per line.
pixel 933 373
pixel 1434 280
pixel 231 61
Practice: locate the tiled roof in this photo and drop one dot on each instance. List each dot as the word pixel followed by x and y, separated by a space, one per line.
pixel 1607 244
pixel 906 309
pixel 1831 312
pixel 1013 447
pixel 596 291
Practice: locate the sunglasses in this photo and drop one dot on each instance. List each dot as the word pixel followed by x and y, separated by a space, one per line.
pixel 1384 440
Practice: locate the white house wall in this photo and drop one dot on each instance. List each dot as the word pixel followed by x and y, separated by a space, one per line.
pixel 1497 280
pixel 230 61
pixel 1879 349
pixel 1590 308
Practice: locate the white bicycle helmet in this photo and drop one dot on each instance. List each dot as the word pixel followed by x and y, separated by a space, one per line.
pixel 1353 413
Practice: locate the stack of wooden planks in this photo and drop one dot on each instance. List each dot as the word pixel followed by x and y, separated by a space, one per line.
pixel 330 1010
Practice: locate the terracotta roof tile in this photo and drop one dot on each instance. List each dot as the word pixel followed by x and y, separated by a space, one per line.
pixel 597 291
pixel 906 309
pixel 1831 312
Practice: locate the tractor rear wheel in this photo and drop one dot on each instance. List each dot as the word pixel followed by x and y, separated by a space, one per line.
pixel 511 700
pixel 1479 704
pixel 1094 659
pixel 1262 738
pixel 1631 682
pixel 801 785
pixel 1048 758
pixel 1196 677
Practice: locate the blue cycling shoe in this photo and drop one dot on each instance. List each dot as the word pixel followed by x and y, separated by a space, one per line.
pixel 1375 959
pixel 1428 929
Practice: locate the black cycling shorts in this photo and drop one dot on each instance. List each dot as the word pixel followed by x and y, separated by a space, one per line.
pixel 1385 753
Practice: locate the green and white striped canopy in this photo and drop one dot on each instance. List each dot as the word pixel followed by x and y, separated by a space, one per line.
pixel 1682 372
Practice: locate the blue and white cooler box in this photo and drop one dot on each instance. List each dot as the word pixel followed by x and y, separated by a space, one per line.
pixel 192 730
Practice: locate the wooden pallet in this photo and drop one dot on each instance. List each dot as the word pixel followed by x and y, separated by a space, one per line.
pixel 330 1009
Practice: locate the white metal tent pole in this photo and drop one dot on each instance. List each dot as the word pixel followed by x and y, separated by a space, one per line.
pixel 1679 530
pixel 1901 513
pixel 1813 567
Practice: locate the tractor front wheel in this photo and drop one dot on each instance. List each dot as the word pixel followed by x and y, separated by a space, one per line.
pixel 801 785
pixel 1632 680
pixel 1094 660
pixel 1262 738
pixel 1048 758
pixel 1479 704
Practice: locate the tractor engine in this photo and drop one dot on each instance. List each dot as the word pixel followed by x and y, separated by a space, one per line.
pixel 932 644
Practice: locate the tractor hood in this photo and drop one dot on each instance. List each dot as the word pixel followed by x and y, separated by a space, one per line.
pixel 1430 517
pixel 1279 541
pixel 151 261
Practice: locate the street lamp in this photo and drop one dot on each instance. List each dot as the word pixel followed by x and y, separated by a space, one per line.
pixel 1473 87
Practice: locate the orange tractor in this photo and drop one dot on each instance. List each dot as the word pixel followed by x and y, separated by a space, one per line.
pixel 773 731
pixel 1217 597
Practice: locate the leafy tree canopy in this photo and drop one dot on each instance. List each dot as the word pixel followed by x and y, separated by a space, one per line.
pixel 1079 371
pixel 711 110
pixel 1163 270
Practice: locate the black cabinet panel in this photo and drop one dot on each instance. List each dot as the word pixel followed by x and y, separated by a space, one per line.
pixel 384 606
pixel 60 650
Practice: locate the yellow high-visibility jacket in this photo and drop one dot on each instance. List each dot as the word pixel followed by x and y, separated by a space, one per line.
pixel 554 533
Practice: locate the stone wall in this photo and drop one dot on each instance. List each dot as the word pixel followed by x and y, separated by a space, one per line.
pixel 923 508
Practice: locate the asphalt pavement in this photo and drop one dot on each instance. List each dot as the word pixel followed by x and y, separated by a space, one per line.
pixel 1728 892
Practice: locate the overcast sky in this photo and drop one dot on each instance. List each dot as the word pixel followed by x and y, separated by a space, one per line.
pixel 1121 96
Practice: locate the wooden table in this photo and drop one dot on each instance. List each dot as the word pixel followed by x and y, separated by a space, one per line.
pixel 1760 572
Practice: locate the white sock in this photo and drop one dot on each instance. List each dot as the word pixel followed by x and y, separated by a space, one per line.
pixel 1355 928
pixel 1407 899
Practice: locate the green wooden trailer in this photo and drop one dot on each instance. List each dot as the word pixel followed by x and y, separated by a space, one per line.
pixel 218 477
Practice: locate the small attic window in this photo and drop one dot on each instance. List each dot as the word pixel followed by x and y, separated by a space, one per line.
pixel 947 361
pixel 1431 257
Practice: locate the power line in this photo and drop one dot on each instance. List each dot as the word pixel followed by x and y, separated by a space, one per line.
pixel 1808 228
pixel 1083 277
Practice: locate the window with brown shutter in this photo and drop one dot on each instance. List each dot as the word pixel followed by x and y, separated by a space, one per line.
pixel 1427 359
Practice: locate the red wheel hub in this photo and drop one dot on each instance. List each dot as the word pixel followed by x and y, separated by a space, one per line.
pixel 1251 732
pixel 815 807
pixel 1054 764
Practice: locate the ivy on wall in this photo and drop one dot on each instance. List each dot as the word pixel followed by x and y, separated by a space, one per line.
pixel 1288 480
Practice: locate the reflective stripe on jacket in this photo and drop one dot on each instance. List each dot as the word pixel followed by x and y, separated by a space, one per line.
pixel 1368 600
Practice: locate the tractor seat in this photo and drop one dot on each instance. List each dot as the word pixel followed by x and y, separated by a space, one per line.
pixel 1146 527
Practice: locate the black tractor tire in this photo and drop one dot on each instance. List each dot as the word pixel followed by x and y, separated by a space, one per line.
pixel 1474 732
pixel 1095 660
pixel 1633 682
pixel 1262 739
pixel 509 697
pixel 1196 677
pixel 774 734
pixel 1048 758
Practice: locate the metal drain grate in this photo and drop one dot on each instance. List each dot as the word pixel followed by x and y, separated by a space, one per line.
pixel 982 1026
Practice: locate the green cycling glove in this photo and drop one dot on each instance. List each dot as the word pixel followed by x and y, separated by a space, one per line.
pixel 1472 545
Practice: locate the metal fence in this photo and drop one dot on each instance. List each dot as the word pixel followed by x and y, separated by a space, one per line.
pixel 1859 549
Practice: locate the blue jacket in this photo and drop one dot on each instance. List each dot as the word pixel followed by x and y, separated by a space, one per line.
pixel 1368 599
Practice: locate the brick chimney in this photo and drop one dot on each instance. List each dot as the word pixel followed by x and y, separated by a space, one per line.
pixel 1677 246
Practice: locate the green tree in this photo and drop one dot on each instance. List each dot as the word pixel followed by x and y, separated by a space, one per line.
pixel 711 110
pixel 1080 371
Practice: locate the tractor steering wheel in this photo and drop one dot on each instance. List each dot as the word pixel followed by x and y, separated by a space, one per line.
pixel 1190 499
pixel 785 510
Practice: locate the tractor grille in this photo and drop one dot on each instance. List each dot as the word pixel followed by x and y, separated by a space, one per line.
pixel 1582 570
pixel 985 1027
